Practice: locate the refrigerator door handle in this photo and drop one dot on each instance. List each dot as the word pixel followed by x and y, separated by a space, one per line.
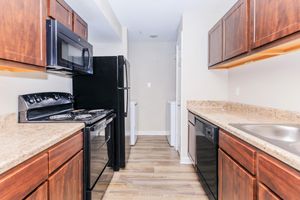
pixel 127 103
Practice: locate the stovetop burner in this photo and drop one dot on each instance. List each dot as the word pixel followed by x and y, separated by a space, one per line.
pixel 60 117
pixel 83 116
pixel 78 111
pixel 80 115
pixel 96 111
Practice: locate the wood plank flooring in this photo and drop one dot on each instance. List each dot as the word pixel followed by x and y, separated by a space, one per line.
pixel 155 173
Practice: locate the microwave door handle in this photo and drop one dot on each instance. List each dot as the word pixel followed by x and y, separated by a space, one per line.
pixel 88 57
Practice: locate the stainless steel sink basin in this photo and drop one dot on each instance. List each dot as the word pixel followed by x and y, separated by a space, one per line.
pixel 284 136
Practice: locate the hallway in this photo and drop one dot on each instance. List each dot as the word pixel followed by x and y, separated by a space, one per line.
pixel 154 172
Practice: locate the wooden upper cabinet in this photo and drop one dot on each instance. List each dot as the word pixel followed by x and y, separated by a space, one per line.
pixel 23 31
pixel 61 11
pixel 215 44
pixel 67 182
pixel 80 27
pixel 234 182
pixel 235 30
pixel 272 20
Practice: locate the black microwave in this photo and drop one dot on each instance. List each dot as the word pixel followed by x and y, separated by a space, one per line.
pixel 67 53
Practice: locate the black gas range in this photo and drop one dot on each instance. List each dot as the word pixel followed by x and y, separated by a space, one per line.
pixel 56 107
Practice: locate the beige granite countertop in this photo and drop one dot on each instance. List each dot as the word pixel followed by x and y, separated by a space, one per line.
pixel 19 142
pixel 223 113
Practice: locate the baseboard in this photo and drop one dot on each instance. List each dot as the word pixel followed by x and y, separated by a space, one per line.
pixel 152 133
pixel 185 160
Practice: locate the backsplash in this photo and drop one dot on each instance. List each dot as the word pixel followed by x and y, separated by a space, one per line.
pixel 14 84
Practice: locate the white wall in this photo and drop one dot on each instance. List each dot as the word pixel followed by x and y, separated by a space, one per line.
pixel 112 48
pixel 152 62
pixel 14 84
pixel 197 82
pixel 273 82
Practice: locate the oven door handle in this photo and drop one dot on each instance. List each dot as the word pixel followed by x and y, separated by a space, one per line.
pixel 99 126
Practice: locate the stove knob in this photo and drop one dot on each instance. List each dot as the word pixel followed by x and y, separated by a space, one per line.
pixel 56 97
pixel 38 100
pixel 31 100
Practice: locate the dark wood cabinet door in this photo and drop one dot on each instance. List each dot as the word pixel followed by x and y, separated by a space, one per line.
pixel 61 11
pixel 80 27
pixel 234 182
pixel 67 182
pixel 192 142
pixel 272 20
pixel 283 180
pixel 235 30
pixel 41 193
pixel 265 194
pixel 215 44
pixel 23 31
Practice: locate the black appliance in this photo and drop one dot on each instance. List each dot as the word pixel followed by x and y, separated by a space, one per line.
pixel 98 133
pixel 67 53
pixel 207 136
pixel 109 88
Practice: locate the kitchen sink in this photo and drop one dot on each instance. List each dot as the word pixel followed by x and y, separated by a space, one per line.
pixel 284 136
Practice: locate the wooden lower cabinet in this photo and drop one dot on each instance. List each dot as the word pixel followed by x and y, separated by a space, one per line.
pixel 239 160
pixel 67 182
pixel 33 179
pixel 41 193
pixel 265 194
pixel 235 183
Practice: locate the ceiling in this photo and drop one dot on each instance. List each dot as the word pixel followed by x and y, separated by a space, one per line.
pixel 159 17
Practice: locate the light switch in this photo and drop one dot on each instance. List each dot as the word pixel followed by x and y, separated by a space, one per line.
pixel 149 85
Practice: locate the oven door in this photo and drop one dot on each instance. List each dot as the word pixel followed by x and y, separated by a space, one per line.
pixel 98 157
pixel 66 51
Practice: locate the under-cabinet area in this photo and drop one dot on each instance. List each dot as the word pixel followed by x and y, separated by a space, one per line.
pixel 256 170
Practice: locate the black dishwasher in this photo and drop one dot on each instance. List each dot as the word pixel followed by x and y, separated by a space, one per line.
pixel 207 136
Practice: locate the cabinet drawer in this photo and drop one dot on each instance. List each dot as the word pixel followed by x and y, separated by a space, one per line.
pixel 24 179
pixel 240 152
pixel 281 179
pixel 59 154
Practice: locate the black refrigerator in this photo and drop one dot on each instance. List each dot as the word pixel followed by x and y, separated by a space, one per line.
pixel 108 88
